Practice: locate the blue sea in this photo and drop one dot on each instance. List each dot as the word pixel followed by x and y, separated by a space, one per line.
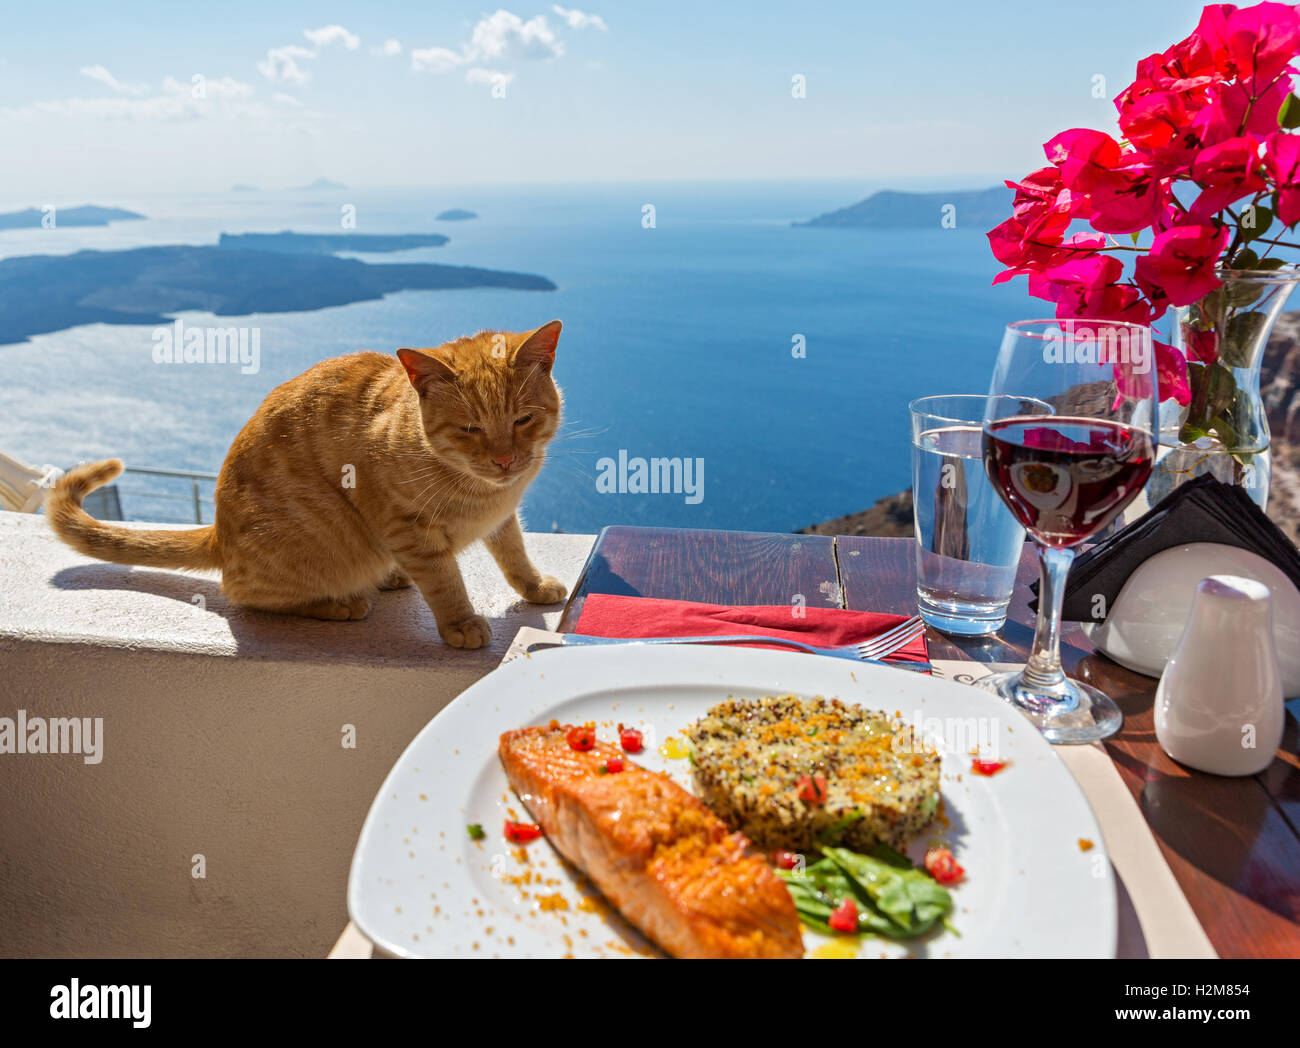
pixel 677 339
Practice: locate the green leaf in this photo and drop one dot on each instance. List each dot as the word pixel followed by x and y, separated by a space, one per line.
pixel 894 899
pixel 1239 340
pixel 1270 263
pixel 1209 309
pixel 1263 218
pixel 1135 236
pixel 910 898
pixel 1244 259
pixel 1214 392
pixel 1225 431
pixel 1289 115
pixel 475 831
pixel 1242 293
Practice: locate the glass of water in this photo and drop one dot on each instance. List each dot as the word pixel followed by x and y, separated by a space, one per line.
pixel 967 542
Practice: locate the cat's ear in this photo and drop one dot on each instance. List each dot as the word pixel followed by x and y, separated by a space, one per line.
pixel 424 369
pixel 539 347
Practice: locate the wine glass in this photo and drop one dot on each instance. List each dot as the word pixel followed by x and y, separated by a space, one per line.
pixel 1065 476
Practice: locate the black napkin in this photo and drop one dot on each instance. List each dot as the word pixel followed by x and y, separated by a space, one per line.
pixel 1202 510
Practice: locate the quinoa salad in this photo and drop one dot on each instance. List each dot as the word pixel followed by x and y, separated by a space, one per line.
pixel 797 774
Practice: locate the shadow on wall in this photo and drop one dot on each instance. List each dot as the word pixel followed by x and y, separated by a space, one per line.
pixel 399 629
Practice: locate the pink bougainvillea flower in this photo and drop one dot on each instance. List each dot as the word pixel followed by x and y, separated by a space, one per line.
pixel 1078 278
pixel 1034 237
pixel 1201 345
pixel 1204 111
pixel 1043 185
pixel 1186 66
pixel 1211 33
pixel 1121 193
pixel 1083 156
pixel 1171 374
pixel 1234 111
pixel 1282 162
pixel 1127 200
pixel 1088 287
pixel 1029 243
pixel 1152 119
pixel 1181 263
pixel 1040 192
pixel 1228 171
pixel 1132 370
pixel 1034 248
pixel 1258 42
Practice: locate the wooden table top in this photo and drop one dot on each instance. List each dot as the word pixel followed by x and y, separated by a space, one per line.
pixel 1232 844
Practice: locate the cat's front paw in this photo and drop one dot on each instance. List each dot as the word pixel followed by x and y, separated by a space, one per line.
pixel 547 590
pixel 473 632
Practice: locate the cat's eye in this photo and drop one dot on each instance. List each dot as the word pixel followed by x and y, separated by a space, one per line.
pixel 523 419
pixel 470 429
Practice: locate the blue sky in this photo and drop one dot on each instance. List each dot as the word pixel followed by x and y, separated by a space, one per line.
pixel 97 97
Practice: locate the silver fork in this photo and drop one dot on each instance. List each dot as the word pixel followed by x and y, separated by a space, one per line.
pixel 872 651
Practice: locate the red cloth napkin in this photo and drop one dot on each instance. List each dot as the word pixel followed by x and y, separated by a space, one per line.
pixel 607 615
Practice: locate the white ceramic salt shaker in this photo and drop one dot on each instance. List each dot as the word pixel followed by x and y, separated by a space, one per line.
pixel 1219 704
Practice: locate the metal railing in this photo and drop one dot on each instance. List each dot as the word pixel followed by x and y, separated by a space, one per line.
pixel 194 490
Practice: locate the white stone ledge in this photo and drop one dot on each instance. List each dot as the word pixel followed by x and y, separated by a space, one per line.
pixel 222 736
pixel 52 594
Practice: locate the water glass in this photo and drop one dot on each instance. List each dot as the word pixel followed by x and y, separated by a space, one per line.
pixel 968 543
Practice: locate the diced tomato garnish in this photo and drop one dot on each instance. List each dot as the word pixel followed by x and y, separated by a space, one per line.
pixel 844 918
pixel 630 739
pixel 812 788
pixel 614 764
pixel 940 865
pixel 522 832
pixel 785 860
pixel 583 738
pixel 983 767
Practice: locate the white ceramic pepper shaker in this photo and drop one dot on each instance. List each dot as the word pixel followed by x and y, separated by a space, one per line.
pixel 1219 704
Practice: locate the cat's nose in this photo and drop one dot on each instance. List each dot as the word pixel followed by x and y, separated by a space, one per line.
pixel 503 459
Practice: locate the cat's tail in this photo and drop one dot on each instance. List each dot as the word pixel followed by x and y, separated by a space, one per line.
pixel 195 548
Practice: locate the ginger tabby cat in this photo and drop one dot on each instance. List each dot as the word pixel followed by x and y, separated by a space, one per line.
pixel 365 471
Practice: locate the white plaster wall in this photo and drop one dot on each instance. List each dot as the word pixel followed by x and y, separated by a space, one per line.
pixel 222 734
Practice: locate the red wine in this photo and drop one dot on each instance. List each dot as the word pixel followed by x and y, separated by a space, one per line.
pixel 1064 477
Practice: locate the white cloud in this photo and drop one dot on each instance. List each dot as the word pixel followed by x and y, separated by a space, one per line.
pixel 503 31
pixel 286 100
pixel 436 60
pixel 103 76
pixel 495 36
pixel 332 34
pixel 478 75
pixel 282 64
pixel 388 48
pixel 580 19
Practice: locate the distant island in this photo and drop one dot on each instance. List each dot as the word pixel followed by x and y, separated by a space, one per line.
pixel 86 215
pixel 44 293
pixel 890 209
pixel 240 187
pixel 327 243
pixel 456 214
pixel 324 183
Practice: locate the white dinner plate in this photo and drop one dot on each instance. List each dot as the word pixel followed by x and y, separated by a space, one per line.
pixel 1038 882
pixel 1145 623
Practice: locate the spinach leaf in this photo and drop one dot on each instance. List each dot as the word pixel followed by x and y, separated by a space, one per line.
pixel 908 898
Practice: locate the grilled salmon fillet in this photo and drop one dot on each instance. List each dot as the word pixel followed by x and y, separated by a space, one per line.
pixel 668 864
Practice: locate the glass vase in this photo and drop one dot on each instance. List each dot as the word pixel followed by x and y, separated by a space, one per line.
pixel 1224 430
